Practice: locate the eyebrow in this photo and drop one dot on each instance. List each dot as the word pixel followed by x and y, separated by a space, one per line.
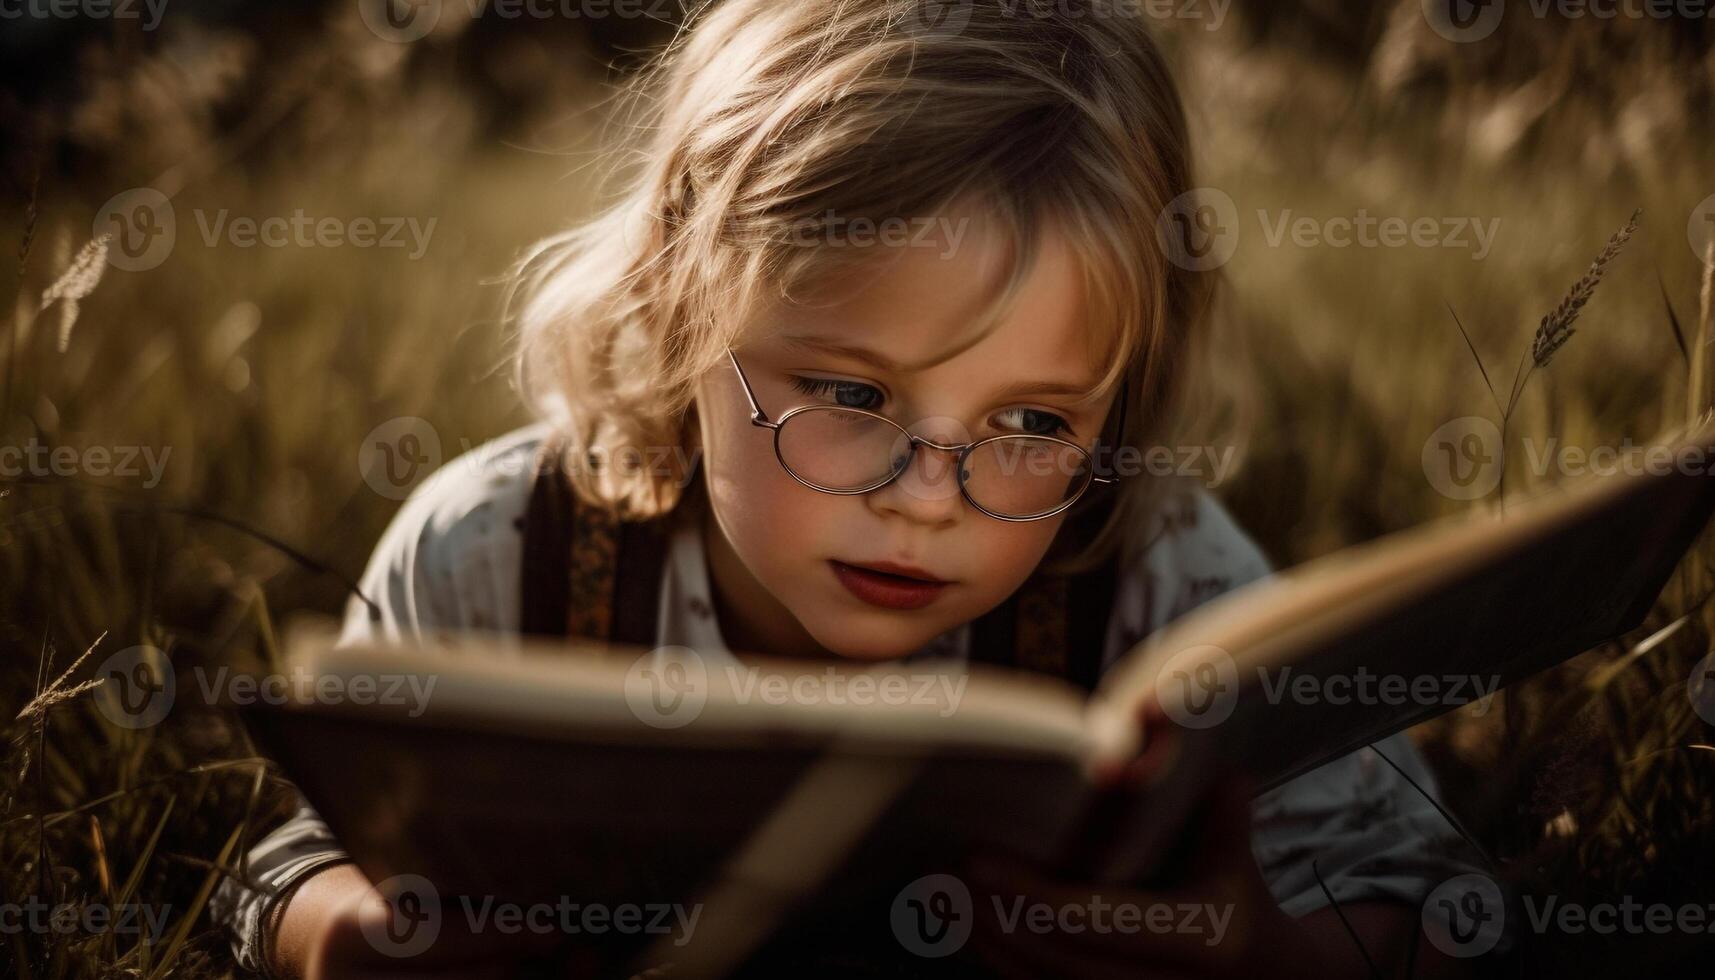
pixel 884 363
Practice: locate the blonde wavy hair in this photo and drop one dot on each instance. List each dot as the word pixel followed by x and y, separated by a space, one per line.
pixel 763 118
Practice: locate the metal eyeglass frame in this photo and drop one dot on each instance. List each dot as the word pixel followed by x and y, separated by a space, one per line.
pixel 760 418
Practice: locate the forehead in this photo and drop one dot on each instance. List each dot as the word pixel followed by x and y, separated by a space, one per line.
pixel 912 303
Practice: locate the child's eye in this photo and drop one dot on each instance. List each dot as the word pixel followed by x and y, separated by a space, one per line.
pixel 846 394
pixel 1035 422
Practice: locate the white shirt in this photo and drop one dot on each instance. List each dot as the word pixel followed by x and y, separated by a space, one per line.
pixel 451 558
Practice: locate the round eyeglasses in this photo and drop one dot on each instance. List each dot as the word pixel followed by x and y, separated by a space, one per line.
pixel 1013 477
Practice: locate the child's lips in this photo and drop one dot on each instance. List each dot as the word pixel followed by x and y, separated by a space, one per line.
pixel 889 591
pixel 900 569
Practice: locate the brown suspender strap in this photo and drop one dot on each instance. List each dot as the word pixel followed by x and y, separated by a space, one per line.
pixel 637 581
pixel 586 573
pixel 1053 624
pixel 547 559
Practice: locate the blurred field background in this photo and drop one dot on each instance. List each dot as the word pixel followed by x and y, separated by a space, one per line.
pixel 260 370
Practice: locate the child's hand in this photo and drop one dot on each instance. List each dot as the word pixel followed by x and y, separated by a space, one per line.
pixel 1221 921
pixel 327 932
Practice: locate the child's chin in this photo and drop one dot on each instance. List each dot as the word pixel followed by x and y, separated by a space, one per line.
pixel 871 648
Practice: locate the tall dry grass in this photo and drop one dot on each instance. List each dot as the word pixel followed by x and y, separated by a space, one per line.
pixel 261 369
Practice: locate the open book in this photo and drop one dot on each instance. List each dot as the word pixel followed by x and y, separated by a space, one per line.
pixel 637 776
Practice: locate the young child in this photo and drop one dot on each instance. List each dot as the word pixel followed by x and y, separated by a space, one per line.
pixel 855 221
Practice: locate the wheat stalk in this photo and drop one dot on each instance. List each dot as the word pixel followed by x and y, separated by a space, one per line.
pixel 58 692
pixel 1556 328
pixel 75 284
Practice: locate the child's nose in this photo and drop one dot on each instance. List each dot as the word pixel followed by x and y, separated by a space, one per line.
pixel 927 491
